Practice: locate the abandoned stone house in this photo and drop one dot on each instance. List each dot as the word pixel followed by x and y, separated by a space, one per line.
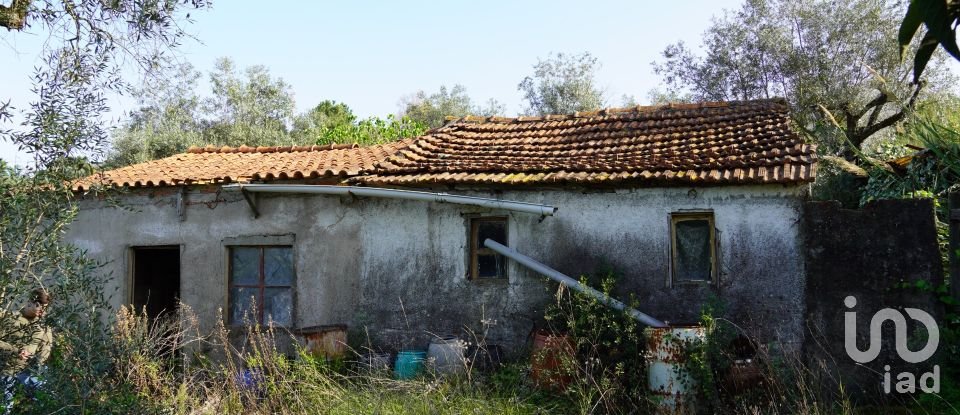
pixel 684 201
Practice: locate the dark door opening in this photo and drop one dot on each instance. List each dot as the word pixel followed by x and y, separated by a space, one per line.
pixel 156 279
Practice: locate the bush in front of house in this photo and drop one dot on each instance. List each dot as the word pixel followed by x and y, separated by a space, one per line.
pixel 607 369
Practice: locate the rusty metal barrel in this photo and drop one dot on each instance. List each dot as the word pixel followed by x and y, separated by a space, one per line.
pixel 666 375
pixel 327 341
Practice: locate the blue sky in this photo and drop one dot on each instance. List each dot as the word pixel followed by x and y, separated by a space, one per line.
pixel 370 54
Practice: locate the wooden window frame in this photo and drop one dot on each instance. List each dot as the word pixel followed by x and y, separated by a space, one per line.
pixel 261 284
pixel 476 250
pixel 714 262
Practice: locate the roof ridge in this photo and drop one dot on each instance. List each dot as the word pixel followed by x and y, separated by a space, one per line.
pixel 269 149
pixel 636 109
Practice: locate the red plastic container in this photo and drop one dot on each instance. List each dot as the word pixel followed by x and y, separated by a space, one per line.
pixel 547 368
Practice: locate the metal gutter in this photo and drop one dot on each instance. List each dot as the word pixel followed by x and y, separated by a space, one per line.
pixel 524 207
pixel 570 282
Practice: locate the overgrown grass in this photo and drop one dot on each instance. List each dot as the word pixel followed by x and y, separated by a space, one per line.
pixel 168 367
pixel 150 367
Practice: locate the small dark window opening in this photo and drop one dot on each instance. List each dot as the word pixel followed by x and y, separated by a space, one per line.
pixel 484 262
pixel 693 249
pixel 156 279
pixel 261 285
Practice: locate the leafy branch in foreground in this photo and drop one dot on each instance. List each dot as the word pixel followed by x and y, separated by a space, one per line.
pixel 940 18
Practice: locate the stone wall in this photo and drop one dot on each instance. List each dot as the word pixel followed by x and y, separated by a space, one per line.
pixel 867 254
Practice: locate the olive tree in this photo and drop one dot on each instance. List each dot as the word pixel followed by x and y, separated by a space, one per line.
pixel 433 109
pixel 562 84
pixel 836 63
pixel 90 45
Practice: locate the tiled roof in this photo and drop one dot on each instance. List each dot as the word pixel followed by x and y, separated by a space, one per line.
pixel 227 164
pixel 706 143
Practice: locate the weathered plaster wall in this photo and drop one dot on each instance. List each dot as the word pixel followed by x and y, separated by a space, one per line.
pixel 398 268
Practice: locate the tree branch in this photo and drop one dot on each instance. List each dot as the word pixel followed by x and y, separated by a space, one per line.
pixel 851 121
pixel 876 103
pixel 14 16
pixel 858 136
pixel 869 130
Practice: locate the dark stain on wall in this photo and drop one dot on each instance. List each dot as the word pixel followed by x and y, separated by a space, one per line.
pixel 866 254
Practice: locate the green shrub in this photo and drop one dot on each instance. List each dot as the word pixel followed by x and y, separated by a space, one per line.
pixel 608 369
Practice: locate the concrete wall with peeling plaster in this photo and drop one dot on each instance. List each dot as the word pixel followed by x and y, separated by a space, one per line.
pixel 396 270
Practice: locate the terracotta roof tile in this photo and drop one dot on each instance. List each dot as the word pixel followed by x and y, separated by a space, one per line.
pixel 243 164
pixel 715 142
pixel 708 143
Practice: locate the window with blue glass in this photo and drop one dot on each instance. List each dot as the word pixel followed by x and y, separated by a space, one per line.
pixel 261 285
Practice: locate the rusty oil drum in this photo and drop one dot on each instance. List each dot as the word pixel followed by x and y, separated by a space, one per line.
pixel 666 376
pixel 327 341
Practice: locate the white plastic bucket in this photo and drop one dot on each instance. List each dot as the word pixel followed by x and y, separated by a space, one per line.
pixel 446 355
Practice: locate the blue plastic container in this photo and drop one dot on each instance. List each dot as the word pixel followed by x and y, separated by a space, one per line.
pixel 409 364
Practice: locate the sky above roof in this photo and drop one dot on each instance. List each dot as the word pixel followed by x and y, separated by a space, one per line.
pixel 370 54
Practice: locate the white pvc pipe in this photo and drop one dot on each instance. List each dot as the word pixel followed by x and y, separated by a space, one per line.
pixel 537 209
pixel 570 282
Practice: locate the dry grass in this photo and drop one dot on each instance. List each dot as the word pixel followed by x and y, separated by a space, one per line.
pixel 253 377
pixel 158 367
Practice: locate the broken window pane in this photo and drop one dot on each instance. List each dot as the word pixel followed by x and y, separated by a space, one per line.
pixel 278 265
pixel 244 265
pixel 491 266
pixel 242 301
pixel 693 260
pixel 278 306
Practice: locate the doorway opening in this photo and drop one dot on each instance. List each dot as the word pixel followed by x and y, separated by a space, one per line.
pixel 156 279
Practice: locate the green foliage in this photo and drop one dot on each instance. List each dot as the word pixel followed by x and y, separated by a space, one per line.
pixel 139 29
pixel 61 128
pixel 609 369
pixel 940 19
pixel 932 173
pixel 948 354
pixel 37 206
pixel 372 130
pixel 250 109
pixel 838 67
pixel 840 180
pixel 168 121
pixel 432 110
pixel 706 361
pixel 327 115
pixel 88 46
pixel 253 110
pixel 730 373
pixel 562 84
